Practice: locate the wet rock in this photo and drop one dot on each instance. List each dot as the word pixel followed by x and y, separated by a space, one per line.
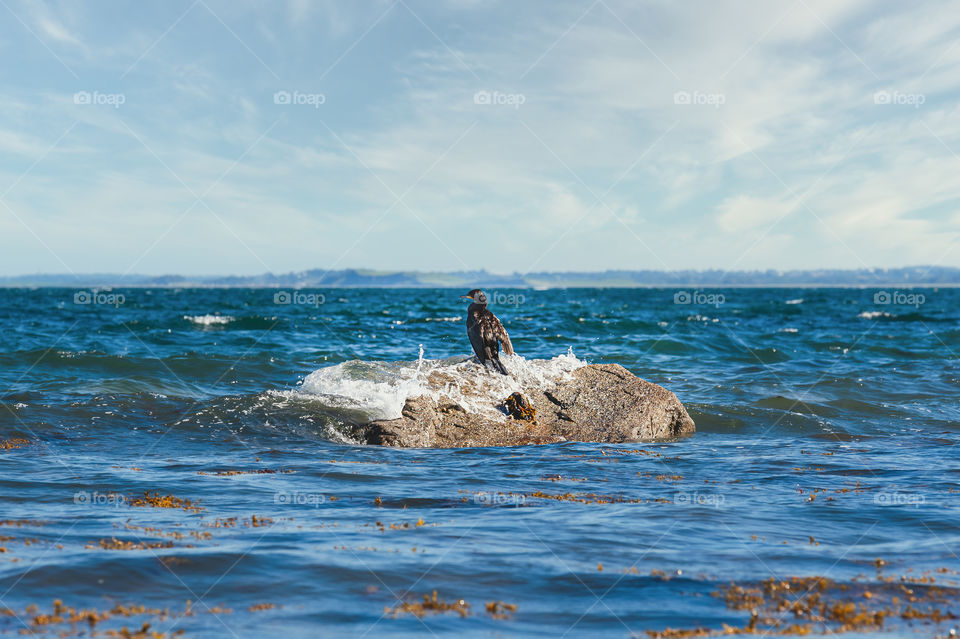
pixel 599 403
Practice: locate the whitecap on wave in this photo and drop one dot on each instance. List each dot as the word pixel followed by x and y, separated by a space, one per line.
pixel 209 320
pixel 796 301
pixel 875 314
pixel 378 390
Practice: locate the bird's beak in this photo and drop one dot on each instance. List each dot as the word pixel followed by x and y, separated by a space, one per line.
pixel 466 297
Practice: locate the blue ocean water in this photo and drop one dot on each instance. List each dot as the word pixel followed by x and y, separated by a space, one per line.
pixel 827 424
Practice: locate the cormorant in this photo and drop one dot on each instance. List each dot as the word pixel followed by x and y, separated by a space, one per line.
pixel 485 331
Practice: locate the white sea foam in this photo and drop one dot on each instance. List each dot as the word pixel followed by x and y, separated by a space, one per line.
pixel 443 319
pixel 378 390
pixel 789 330
pixel 875 314
pixel 796 301
pixel 209 320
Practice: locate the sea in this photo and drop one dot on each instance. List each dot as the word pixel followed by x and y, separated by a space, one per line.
pixel 180 462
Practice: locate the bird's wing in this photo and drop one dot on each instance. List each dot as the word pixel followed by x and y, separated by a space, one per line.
pixel 501 334
pixel 488 334
pixel 476 339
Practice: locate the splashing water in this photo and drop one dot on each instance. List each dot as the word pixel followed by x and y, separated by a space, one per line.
pixel 379 389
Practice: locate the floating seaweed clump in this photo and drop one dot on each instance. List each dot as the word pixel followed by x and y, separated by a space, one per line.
pixel 405 525
pixel 818 605
pixel 16 442
pixel 258 471
pixel 429 605
pixel 68 621
pixel 199 535
pixel 558 477
pixel 118 544
pixel 156 500
pixel 584 498
pixel 661 477
pixel 17 523
pixel 501 610
pixel 432 604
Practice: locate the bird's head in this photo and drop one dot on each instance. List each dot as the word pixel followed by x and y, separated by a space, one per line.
pixel 477 296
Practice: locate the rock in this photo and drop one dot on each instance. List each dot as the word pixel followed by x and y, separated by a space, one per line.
pixel 601 403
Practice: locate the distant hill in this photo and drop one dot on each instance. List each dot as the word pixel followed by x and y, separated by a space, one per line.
pixel 350 278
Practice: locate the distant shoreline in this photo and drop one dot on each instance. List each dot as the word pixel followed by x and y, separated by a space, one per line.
pixel 671 286
pixel 902 277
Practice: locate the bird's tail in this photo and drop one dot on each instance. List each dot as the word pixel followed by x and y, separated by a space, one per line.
pixel 498 365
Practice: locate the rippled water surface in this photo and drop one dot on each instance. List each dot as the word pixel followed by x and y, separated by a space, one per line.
pixel 826 440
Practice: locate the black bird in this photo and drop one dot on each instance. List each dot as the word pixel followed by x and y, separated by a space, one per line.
pixel 485 331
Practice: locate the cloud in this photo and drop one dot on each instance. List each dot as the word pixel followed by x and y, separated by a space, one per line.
pixel 780 149
pixel 58 32
pixel 743 212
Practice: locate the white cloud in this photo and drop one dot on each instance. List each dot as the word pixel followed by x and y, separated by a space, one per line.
pixel 58 32
pixel 743 212
pixel 797 119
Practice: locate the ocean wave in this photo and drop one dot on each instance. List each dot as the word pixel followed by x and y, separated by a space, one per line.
pixel 875 314
pixel 209 320
pixel 378 390
pixel 796 301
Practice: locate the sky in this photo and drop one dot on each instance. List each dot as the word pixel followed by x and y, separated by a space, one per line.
pixel 238 137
